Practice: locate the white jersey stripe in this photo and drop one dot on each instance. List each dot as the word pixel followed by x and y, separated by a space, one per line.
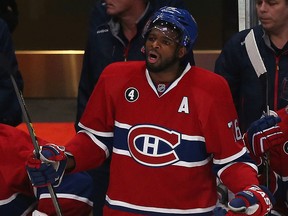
pixel 67 196
pixel 160 210
pixel 231 158
pixel 97 142
pixel 97 133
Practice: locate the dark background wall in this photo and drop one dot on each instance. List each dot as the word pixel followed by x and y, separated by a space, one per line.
pixel 63 24
pixel 52 24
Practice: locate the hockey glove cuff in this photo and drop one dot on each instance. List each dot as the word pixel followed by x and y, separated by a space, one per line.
pixel 50 168
pixel 263 134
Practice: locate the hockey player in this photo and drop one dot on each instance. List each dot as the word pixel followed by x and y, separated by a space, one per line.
pixel 115 34
pixel 266 138
pixel 171 129
pixel 17 196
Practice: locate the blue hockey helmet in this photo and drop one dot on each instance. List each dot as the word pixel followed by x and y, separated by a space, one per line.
pixel 179 19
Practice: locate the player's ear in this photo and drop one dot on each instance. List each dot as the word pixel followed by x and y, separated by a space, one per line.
pixel 182 52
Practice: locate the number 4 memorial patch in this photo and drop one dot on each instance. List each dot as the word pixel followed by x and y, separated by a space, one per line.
pixel 131 94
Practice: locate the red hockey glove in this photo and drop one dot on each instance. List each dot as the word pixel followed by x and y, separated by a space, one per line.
pixel 263 134
pixel 255 200
pixel 49 169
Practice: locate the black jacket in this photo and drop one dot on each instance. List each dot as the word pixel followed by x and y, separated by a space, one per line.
pixel 10 110
pixel 9 13
pixel 249 91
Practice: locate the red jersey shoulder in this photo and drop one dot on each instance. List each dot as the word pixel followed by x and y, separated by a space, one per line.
pixel 119 74
pixel 208 81
pixel 122 69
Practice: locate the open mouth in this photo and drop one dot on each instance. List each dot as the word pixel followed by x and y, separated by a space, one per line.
pixel 109 5
pixel 153 57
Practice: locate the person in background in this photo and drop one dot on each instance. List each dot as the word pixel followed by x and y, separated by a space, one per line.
pixel 10 110
pixel 257 80
pixel 254 62
pixel 169 133
pixel 9 13
pixel 115 34
pixel 18 197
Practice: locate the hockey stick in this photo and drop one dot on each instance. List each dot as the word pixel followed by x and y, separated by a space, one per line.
pixel 34 140
pixel 259 67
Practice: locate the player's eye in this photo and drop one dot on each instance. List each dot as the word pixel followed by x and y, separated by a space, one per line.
pixel 166 41
pixel 151 38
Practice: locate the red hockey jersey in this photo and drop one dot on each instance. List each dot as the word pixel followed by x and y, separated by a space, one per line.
pixel 17 196
pixel 166 148
pixel 278 169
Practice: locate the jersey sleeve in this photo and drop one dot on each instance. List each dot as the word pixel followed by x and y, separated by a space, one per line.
pixel 96 129
pixel 15 147
pixel 232 164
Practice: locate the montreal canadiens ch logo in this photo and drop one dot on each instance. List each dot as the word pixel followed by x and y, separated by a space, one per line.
pixel 131 94
pixel 153 146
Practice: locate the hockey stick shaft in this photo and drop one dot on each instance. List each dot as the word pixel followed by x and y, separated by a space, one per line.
pixel 267 159
pixel 260 69
pixel 28 122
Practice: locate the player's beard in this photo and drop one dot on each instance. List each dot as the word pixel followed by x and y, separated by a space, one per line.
pixel 166 63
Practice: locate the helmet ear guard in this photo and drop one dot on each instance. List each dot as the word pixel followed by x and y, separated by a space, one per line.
pixel 174 19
